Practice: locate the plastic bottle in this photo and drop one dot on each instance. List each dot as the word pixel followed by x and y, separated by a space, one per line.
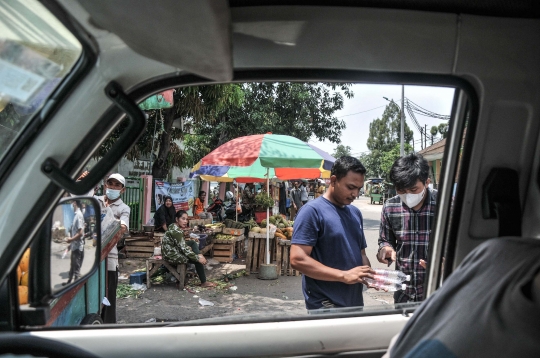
pixel 386 285
pixel 392 274
pixel 387 280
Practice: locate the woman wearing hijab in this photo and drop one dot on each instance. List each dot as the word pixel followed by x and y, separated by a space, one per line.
pixel 165 215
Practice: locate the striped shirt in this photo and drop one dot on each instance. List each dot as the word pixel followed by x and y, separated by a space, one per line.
pixel 408 232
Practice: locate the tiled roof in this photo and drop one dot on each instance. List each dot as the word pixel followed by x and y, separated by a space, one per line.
pixel 435 148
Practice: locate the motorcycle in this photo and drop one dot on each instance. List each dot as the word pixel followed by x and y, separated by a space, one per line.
pixel 216 209
pixel 230 212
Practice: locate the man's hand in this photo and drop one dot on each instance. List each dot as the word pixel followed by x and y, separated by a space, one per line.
pixel 423 263
pixel 387 252
pixel 357 275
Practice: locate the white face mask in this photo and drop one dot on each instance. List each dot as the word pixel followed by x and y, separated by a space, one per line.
pixel 112 194
pixel 411 200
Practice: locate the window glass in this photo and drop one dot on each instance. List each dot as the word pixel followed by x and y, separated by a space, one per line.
pixel 36 53
pixel 186 124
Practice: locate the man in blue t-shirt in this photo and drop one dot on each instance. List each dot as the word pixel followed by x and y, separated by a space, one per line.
pixel 328 243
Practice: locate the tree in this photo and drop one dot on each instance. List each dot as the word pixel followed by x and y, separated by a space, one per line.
pixel 341 150
pixel 443 129
pixel 192 105
pixel 302 110
pixel 384 136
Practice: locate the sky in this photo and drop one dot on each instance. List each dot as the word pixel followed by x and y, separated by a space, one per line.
pixel 368 100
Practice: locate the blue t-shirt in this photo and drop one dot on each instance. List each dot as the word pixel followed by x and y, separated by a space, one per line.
pixel 337 237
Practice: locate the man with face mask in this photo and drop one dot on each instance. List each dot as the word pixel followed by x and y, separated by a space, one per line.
pixel 114 186
pixel 406 223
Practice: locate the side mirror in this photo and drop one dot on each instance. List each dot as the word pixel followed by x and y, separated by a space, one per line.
pixel 75 249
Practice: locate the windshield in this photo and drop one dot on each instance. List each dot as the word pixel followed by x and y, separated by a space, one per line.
pixel 36 53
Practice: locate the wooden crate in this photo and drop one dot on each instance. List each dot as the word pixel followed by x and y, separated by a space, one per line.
pixel 283 259
pixel 223 252
pixel 226 253
pixel 256 253
pixel 142 247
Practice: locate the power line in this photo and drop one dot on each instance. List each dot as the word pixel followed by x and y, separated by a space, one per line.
pixel 352 114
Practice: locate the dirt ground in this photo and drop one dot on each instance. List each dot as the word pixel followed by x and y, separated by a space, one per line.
pixel 240 295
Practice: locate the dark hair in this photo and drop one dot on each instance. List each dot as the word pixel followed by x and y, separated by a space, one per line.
pixel 407 170
pixel 180 213
pixel 202 192
pixel 346 164
pixel 78 203
pixel 167 197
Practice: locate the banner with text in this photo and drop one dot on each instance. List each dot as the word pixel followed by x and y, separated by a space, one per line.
pixel 182 194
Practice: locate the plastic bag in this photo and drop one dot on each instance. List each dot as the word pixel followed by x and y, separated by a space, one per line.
pixel 238 208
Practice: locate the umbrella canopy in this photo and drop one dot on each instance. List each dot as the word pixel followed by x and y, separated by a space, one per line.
pixel 255 173
pixel 273 151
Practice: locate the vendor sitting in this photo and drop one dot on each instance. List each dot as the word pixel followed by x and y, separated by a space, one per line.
pixel 198 206
pixel 165 215
pixel 177 249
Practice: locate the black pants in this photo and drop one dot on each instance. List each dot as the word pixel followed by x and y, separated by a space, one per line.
pixel 198 266
pixel 77 257
pixel 108 314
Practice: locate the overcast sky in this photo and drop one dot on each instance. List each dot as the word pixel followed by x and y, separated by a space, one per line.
pixel 368 99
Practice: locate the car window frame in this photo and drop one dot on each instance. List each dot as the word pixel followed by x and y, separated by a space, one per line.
pixel 113 116
pixel 40 118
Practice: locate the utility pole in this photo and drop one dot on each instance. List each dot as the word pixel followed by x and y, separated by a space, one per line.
pixel 425 135
pixel 401 148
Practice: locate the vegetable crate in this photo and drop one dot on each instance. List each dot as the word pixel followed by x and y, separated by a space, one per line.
pixel 256 251
pixel 224 250
pixel 283 259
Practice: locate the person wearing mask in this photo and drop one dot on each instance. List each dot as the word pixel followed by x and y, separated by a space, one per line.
pixel 406 223
pixel 177 249
pixel 114 187
pixel 165 215
pixel 76 243
pixel 328 244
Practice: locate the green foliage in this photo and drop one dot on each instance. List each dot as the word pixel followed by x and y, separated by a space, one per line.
pixel 263 200
pixel 443 129
pixel 302 110
pixel 192 105
pixel 214 114
pixel 341 150
pixel 434 130
pixel 384 137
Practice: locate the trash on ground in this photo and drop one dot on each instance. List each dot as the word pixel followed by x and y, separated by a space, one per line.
pixel 233 288
pixel 204 302
pixel 106 301
pixel 150 320
pixel 139 286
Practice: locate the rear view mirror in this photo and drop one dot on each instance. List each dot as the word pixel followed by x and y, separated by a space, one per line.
pixel 75 242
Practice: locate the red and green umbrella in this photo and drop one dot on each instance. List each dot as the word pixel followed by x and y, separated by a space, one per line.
pixel 272 151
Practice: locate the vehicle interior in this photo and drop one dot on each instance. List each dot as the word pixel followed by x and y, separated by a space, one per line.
pixel 126 51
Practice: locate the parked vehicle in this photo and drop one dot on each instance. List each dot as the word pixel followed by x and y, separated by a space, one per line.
pixel 73 71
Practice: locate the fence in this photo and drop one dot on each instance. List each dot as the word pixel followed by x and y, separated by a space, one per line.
pixel 133 197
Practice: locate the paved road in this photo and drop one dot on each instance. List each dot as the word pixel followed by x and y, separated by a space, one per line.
pixel 252 296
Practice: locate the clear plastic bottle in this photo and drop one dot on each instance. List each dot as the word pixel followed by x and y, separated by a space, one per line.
pixel 387 286
pixel 388 280
pixel 392 274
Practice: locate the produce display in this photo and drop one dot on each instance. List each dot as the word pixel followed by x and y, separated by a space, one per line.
pixel 225 238
pixel 284 227
pixel 233 224
pixel 22 277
